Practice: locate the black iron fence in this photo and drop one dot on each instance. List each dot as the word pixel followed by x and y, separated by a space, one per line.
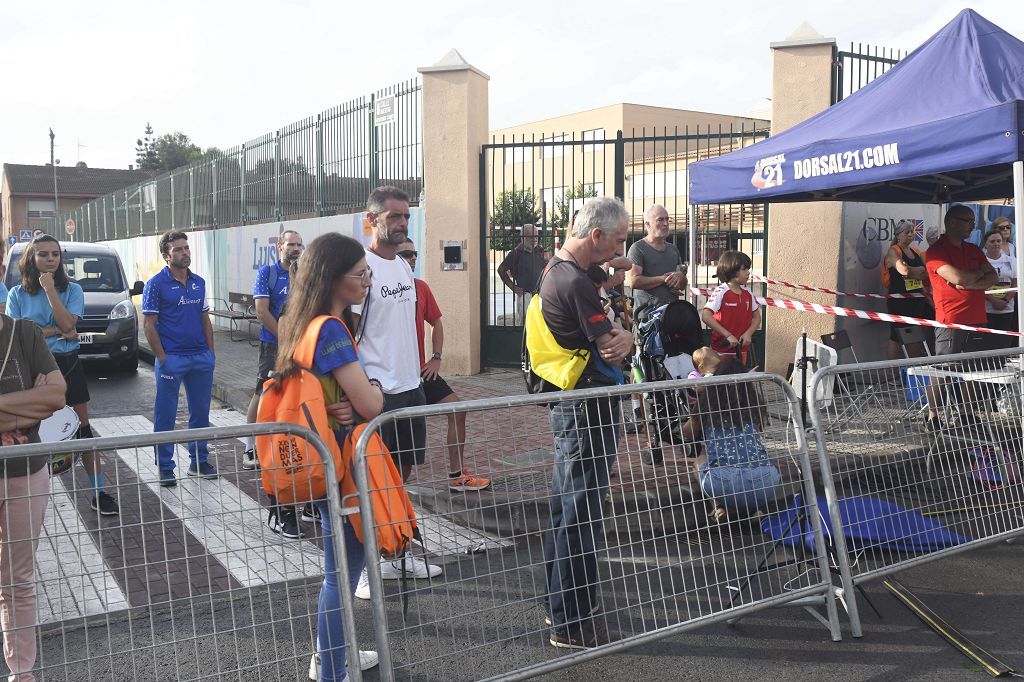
pixel 543 179
pixel 859 66
pixel 321 165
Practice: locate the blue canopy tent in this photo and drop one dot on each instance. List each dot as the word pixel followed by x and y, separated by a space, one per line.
pixel 945 124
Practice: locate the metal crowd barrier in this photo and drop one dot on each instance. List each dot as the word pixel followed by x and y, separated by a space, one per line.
pixel 187 582
pixel 901 493
pixel 664 566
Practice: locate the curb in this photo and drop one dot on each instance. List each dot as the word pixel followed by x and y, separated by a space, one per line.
pixel 236 399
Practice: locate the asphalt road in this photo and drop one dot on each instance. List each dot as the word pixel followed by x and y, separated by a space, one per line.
pixel 115 393
pixel 980 592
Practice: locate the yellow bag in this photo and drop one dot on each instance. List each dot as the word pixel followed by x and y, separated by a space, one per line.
pixel 544 360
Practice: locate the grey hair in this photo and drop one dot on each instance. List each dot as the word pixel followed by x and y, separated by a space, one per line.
pixel 281 238
pixel 901 227
pixel 608 213
pixel 933 230
pixel 378 197
pixel 650 209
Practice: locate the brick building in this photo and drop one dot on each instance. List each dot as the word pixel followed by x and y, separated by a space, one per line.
pixel 27 197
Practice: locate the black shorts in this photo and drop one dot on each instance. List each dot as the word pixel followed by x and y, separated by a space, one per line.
pixel 435 390
pixel 267 362
pixel 912 307
pixel 406 438
pixel 70 366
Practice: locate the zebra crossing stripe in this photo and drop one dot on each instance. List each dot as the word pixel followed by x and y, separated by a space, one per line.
pixel 230 524
pixel 72 579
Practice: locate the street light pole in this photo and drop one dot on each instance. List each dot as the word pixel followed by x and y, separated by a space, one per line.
pixel 55 196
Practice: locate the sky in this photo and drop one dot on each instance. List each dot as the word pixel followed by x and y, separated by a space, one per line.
pixel 228 72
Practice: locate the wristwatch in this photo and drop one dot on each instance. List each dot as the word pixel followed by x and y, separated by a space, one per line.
pixel 436 356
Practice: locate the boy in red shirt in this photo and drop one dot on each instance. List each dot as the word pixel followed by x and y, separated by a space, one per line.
pixel 435 388
pixel 731 311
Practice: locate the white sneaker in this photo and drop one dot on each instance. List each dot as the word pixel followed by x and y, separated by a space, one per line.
pixel 367 660
pixel 410 566
pixel 363 588
pixel 249 460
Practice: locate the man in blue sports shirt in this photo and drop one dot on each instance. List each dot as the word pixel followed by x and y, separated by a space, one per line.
pixel 270 291
pixel 179 331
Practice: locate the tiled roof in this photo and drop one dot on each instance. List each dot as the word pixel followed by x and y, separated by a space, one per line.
pixel 25 179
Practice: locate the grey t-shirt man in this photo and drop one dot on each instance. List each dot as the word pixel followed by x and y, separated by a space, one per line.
pixel 525 267
pixel 654 263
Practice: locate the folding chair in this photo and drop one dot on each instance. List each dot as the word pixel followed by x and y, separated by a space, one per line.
pixel 914 388
pixel 856 400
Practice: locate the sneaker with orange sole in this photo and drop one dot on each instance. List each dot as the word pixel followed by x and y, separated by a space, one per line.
pixel 466 482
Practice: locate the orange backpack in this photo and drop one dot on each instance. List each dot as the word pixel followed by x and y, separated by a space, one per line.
pixel 393 515
pixel 291 470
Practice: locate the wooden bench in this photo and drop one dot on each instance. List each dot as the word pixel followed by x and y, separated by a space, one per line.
pixel 237 309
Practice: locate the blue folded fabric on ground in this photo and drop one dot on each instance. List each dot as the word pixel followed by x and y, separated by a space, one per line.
pixel 868 523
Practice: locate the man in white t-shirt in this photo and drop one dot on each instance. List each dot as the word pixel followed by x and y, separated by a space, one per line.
pixel 389 349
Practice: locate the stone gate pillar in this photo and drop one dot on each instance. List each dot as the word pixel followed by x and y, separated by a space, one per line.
pixel 455 125
pixel 804 238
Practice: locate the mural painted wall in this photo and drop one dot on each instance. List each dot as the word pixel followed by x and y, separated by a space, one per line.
pixel 229 258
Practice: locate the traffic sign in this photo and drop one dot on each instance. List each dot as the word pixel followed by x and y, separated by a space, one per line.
pixel 12 240
pixel 24 235
pixel 69 226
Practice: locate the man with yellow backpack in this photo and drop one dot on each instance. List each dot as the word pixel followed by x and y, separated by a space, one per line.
pixel 572 344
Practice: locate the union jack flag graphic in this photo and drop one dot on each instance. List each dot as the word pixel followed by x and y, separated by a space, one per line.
pixel 918 229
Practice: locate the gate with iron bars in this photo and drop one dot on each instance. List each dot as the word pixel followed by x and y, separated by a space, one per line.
pixel 543 180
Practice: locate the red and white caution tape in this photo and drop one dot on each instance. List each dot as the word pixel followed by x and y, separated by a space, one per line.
pixel 807 287
pixel 837 311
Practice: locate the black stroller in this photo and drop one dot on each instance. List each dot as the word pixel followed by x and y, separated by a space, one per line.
pixel 669 335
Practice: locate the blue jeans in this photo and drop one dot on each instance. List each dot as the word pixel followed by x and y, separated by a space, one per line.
pixel 196 371
pixel 745 489
pixel 585 444
pixel 330 631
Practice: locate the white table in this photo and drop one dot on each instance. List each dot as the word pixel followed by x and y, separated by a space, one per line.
pixel 1004 377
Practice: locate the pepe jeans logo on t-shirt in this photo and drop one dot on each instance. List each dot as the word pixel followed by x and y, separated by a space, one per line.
pixel 397 292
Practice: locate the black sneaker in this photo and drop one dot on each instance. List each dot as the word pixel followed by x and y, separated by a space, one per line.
pixel 104 504
pixel 310 513
pixel 282 521
pixel 932 424
pixel 167 478
pixel 204 470
pixel 588 635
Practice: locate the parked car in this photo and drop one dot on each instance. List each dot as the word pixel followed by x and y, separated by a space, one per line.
pixel 109 327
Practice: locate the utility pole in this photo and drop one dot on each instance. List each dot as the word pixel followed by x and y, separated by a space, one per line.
pixel 55 196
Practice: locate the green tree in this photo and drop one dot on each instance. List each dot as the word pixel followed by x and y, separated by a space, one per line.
pixel 562 210
pixel 145 154
pixel 174 150
pixel 513 208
